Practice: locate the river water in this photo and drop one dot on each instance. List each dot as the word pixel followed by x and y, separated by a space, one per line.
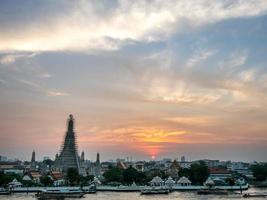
pixel 137 196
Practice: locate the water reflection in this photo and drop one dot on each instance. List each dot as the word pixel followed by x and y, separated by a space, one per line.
pixel 136 195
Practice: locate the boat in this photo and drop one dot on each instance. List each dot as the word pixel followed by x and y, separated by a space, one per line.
pixel 153 190
pixel 91 189
pixel 249 195
pixel 4 191
pixel 214 192
pixel 59 194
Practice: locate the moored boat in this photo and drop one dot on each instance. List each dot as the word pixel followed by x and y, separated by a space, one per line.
pixel 152 190
pixel 59 194
pixel 4 191
pixel 214 192
pixel 256 195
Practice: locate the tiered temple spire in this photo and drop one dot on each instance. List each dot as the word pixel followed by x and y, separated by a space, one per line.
pixel 68 157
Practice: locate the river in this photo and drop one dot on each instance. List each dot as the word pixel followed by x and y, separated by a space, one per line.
pixel 137 196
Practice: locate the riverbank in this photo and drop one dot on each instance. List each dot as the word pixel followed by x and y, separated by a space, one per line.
pixel 127 188
pixel 177 195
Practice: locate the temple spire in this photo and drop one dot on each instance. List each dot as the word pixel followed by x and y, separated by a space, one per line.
pixel 97 158
pixel 68 157
pixel 33 156
pixel 70 123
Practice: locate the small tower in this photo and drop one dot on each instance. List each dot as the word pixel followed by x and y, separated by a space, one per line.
pixel 82 156
pixel 33 162
pixel 183 159
pixel 97 166
pixel 33 156
pixel 97 159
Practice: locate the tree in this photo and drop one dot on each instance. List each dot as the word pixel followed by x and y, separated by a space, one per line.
pixel 155 172
pixel 6 178
pixel 259 171
pixel 84 180
pixel 73 176
pixel 141 178
pixel 48 162
pixel 230 181
pixel 199 172
pixel 46 181
pixel 184 172
pixel 130 175
pixel 114 174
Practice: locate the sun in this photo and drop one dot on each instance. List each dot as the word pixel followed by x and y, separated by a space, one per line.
pixel 153 157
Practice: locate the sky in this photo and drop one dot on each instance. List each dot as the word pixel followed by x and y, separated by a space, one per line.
pixel 143 78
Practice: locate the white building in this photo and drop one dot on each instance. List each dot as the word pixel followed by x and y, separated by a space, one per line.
pixel 169 182
pixel 185 164
pixel 157 181
pixel 184 181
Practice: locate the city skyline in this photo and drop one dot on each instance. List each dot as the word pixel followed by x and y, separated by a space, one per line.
pixel 142 78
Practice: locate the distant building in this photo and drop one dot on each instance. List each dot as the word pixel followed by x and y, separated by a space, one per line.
pixel 219 173
pixel 33 161
pixel 68 157
pixel 185 164
pixel 211 163
pixel 241 168
pixel 46 158
pixel 3 158
pixel 139 166
pixel 32 176
pixel 11 167
pixel 95 168
pixel 121 165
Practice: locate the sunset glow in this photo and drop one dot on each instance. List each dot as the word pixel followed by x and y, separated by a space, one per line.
pixel 145 79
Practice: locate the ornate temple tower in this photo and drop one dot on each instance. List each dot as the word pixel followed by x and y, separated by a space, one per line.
pixel 68 157
pixel 82 156
pixel 33 162
pixel 97 166
pixel 33 157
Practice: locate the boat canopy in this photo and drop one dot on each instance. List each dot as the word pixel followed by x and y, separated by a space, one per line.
pixel 209 182
pixel 169 181
pixel 184 180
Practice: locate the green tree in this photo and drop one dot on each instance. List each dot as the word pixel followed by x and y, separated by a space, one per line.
pixel 114 174
pixel 48 162
pixel 73 176
pixel 184 172
pixel 259 171
pixel 141 178
pixel 230 181
pixel 84 180
pixel 130 175
pixel 7 178
pixel 199 172
pixel 46 181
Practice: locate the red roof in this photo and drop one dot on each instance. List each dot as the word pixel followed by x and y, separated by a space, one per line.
pixel 56 175
pixel 218 171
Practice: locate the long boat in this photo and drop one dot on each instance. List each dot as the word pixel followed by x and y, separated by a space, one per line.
pixel 254 195
pixel 4 191
pixel 152 190
pixel 214 192
pixel 59 194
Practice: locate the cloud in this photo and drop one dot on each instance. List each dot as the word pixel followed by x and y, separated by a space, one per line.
pixel 29 83
pixel 7 59
pixel 11 58
pixel 56 93
pixel 45 75
pixel 94 25
pixel 235 60
pixel 199 57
